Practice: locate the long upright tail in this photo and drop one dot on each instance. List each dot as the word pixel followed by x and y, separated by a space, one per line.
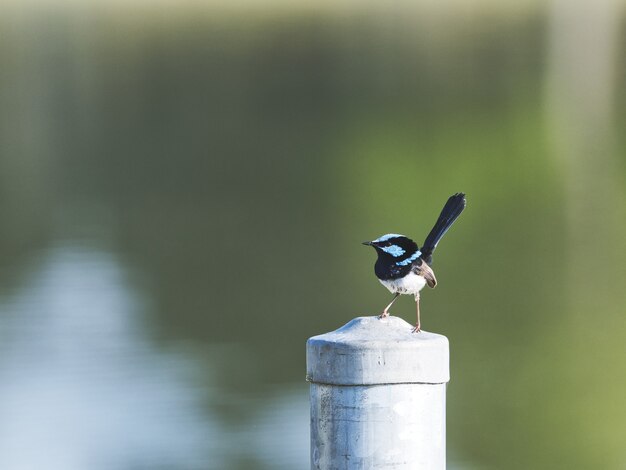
pixel 449 213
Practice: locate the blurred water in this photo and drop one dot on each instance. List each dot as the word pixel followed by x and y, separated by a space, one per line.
pixel 183 195
pixel 82 387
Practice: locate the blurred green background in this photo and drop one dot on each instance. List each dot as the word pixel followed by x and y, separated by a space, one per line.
pixel 184 187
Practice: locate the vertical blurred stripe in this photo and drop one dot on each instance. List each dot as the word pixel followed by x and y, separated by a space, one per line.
pixel 583 53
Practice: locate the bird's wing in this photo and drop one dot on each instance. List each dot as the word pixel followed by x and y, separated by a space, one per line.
pixel 427 273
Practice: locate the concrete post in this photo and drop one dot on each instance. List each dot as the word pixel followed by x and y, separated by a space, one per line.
pixel 378 397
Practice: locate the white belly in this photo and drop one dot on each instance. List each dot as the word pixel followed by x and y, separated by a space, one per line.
pixel 410 284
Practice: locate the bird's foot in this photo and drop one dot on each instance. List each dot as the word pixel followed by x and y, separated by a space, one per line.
pixel 385 314
pixel 417 329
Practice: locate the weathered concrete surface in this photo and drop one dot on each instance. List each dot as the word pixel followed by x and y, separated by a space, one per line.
pixel 399 426
pixel 378 396
pixel 371 351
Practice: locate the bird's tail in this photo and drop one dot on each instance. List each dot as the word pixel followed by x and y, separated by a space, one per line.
pixel 449 213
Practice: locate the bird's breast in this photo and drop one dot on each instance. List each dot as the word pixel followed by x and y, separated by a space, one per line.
pixel 410 284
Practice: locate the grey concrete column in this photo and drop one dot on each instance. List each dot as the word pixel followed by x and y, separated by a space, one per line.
pixel 378 397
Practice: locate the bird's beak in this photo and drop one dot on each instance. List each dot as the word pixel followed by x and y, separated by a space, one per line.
pixel 368 243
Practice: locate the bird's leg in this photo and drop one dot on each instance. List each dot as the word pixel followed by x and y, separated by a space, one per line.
pixel 385 313
pixel 418 327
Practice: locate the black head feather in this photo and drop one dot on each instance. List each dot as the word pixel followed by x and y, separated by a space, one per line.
pixel 396 255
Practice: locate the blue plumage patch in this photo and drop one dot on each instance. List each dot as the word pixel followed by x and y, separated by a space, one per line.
pixel 393 250
pixel 384 238
pixel 410 259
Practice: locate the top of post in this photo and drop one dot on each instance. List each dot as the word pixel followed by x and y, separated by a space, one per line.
pixel 373 351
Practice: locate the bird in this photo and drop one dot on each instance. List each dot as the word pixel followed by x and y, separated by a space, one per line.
pixel 404 268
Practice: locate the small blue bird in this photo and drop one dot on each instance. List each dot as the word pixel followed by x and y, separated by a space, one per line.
pixel 404 268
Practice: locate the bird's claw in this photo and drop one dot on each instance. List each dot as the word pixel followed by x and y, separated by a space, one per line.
pixel 417 329
pixel 383 315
